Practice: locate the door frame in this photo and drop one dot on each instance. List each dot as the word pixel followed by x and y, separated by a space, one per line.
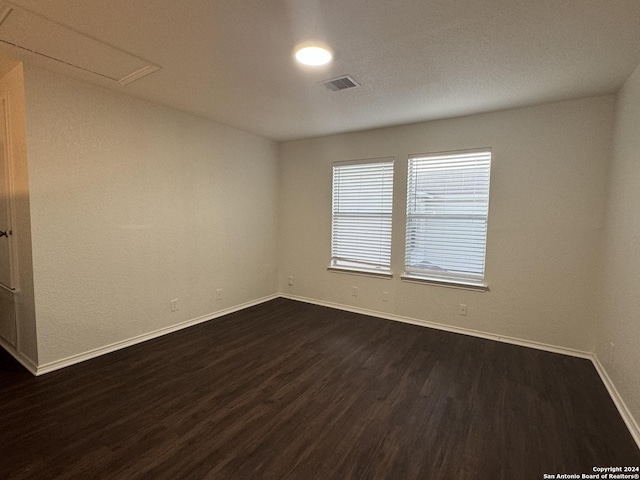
pixel 9 186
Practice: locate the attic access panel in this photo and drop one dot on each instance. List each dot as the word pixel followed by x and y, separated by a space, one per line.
pixel 36 34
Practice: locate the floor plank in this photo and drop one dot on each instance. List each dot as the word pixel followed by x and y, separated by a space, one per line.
pixel 287 390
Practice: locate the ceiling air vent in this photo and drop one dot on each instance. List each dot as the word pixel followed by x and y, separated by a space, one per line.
pixel 341 83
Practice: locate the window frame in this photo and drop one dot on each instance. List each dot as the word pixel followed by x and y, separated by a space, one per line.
pixel 452 279
pixel 343 265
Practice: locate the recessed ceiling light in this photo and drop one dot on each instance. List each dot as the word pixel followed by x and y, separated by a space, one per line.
pixel 313 54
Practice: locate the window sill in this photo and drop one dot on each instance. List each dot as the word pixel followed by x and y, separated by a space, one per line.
pixel 366 273
pixel 459 284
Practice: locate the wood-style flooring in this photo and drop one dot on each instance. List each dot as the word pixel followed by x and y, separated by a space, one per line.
pixel 287 390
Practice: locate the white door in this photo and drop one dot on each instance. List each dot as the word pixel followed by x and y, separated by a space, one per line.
pixel 6 233
pixel 7 284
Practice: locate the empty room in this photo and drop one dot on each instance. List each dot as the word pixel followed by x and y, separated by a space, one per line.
pixel 304 239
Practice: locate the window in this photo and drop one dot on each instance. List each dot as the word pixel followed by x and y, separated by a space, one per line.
pixel 361 216
pixel 447 210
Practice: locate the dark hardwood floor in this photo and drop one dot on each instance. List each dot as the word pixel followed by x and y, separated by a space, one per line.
pixel 287 390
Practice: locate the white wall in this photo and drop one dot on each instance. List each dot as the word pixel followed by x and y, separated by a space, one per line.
pixel 545 225
pixel 620 313
pixel 12 89
pixel 133 205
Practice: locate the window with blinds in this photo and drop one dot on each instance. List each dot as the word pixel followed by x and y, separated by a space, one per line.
pixel 447 210
pixel 361 215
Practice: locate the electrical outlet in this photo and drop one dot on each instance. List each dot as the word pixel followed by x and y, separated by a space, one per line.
pixel 462 309
pixel 612 349
pixel 385 296
pixel 354 291
pixel 290 281
pixel 174 304
pixel 219 294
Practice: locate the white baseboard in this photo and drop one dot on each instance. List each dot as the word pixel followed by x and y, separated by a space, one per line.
pixel 628 418
pixel 626 415
pixel 447 328
pixel 20 357
pixel 81 357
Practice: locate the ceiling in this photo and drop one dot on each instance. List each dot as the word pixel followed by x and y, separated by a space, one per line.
pixel 231 61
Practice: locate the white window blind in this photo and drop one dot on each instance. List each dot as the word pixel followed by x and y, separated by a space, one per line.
pixel 447 210
pixel 361 215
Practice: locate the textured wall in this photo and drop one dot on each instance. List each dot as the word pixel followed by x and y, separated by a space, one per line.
pixel 545 221
pixel 620 317
pixel 133 205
